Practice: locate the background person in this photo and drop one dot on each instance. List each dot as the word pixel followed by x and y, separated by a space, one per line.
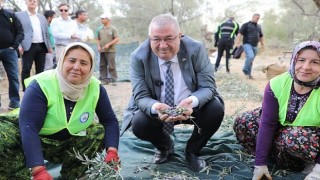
pixel 64 29
pixel 11 35
pixel 224 37
pixel 107 38
pixel 36 42
pixel 83 32
pixel 50 57
pixel 288 128
pixel 56 116
pixel 252 35
pixel 193 88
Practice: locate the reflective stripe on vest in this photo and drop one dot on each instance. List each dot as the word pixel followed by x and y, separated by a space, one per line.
pixel 228 28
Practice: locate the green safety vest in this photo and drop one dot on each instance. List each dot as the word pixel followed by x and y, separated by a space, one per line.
pixel 309 115
pixel 232 34
pixel 56 118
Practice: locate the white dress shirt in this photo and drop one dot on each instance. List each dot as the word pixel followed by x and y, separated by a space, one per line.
pixel 181 90
pixel 63 29
pixel 36 26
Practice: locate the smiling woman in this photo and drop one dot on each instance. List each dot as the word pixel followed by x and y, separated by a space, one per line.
pixel 57 112
pixel 288 123
pixel 77 66
pixel 74 70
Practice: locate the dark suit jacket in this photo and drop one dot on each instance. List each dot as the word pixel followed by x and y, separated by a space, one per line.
pixel 196 69
pixel 28 30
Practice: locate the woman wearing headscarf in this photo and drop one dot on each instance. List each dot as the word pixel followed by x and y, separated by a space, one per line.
pixel 57 116
pixel 287 127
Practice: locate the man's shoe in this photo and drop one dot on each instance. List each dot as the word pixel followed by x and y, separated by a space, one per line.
pixel 162 156
pixel 13 106
pixel 245 72
pixel 195 163
pixel 250 77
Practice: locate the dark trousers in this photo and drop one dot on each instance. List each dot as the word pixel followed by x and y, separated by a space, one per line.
pixel 36 53
pixel 224 44
pixel 108 70
pixel 9 58
pixel 208 118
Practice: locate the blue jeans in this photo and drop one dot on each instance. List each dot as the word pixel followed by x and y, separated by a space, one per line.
pixel 251 52
pixel 9 58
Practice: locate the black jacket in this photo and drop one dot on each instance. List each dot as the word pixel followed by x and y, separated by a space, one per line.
pixel 11 31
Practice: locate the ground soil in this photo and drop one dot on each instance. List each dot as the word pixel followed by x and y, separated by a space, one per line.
pixel 121 93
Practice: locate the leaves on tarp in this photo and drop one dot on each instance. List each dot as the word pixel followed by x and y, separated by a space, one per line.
pixel 98 169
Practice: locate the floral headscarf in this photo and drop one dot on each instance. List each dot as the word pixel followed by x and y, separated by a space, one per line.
pixel 312 44
pixel 73 92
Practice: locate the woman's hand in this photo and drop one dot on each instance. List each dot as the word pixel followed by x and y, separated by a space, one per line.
pixel 41 173
pixel 112 158
pixel 315 173
pixel 260 171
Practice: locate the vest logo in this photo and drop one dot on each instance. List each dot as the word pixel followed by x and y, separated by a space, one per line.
pixel 84 117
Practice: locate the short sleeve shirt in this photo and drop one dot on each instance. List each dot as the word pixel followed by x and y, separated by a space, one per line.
pixel 106 35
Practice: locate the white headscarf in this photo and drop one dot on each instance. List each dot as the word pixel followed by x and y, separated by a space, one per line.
pixel 313 45
pixel 73 92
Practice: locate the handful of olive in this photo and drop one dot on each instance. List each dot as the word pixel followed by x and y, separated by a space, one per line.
pixel 173 111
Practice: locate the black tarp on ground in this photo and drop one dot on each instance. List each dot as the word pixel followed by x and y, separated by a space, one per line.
pixel 221 154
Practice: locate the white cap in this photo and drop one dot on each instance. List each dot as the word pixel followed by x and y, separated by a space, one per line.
pixel 104 15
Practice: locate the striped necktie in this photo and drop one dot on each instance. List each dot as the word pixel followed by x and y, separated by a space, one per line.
pixel 169 96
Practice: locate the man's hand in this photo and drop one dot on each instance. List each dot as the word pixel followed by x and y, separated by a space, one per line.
pixel 74 36
pixel 161 107
pixel 107 46
pixel 41 174
pixel 260 171
pixel 21 50
pixel 171 114
pixel 186 105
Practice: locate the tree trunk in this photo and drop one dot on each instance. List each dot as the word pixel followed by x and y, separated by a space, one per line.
pixel 317 3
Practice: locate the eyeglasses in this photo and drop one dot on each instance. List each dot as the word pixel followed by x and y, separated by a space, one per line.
pixel 168 39
pixel 65 10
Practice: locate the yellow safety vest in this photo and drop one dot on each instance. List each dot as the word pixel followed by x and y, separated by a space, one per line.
pixel 56 118
pixel 309 115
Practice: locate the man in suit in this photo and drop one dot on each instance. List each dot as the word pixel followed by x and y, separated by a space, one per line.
pixel 36 42
pixel 168 55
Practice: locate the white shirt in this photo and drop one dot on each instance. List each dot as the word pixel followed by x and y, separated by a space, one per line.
pixel 63 29
pixel 84 32
pixel 37 33
pixel 181 90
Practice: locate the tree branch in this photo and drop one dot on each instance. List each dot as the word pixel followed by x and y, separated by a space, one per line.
pixel 316 14
pixel 317 2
